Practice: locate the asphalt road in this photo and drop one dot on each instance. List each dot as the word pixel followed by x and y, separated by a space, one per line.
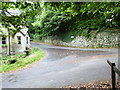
pixel 63 66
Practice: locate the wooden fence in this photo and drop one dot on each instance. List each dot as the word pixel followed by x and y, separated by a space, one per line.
pixel 114 70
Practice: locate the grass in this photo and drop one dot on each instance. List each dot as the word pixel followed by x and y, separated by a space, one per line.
pixel 22 62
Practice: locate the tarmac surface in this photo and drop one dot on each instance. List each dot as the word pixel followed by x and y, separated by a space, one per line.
pixel 63 66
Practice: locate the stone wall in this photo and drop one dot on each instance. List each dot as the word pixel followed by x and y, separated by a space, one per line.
pixel 104 39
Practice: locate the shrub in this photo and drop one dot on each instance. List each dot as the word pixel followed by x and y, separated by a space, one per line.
pixel 35 49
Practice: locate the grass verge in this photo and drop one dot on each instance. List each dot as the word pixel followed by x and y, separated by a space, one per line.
pixel 22 62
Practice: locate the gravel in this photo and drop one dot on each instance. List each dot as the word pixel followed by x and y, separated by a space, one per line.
pixel 101 85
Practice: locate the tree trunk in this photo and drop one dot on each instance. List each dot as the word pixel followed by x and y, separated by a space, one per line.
pixel 9 49
pixel 118 55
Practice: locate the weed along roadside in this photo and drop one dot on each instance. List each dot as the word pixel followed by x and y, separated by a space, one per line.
pixel 18 61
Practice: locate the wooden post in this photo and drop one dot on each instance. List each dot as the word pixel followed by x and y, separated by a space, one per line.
pixel 114 70
pixel 113 76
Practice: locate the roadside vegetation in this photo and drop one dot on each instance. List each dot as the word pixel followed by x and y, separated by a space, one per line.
pixel 18 61
pixel 61 20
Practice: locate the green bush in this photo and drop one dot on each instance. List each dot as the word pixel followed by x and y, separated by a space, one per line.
pixel 35 49
pixel 4 45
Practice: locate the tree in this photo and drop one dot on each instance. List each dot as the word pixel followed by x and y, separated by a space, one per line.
pixel 14 22
pixel 59 17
